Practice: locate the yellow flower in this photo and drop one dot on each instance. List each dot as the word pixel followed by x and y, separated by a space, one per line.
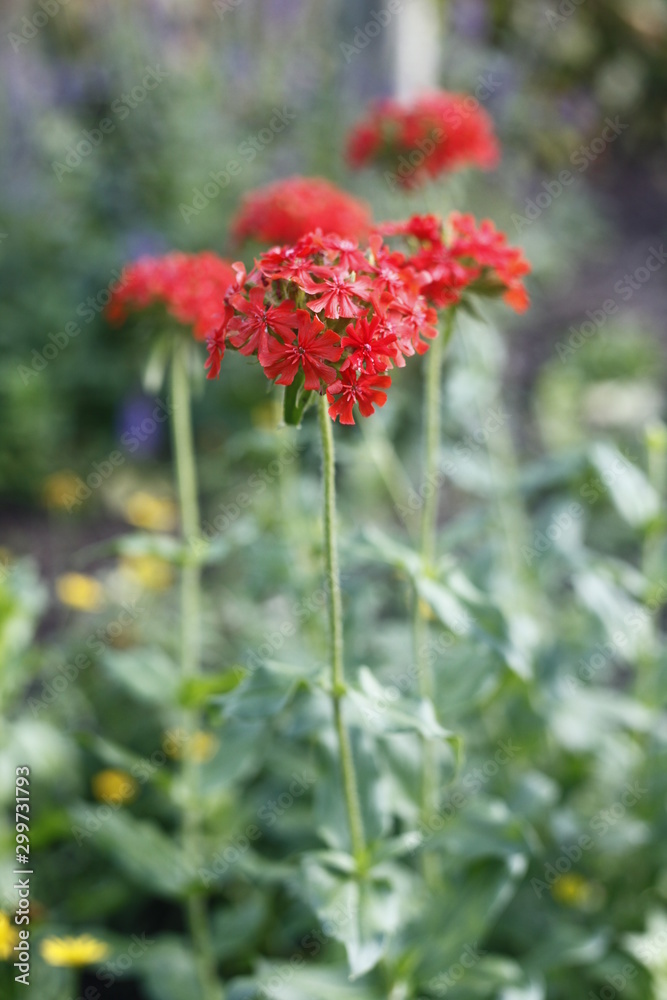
pixel 84 593
pixel 150 572
pixel 200 747
pixel 8 936
pixel 574 890
pixel 144 510
pixel 70 951
pixel 59 489
pixel 114 786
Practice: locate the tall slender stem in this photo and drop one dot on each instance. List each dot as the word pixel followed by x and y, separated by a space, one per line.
pixel 186 477
pixel 350 787
pixel 427 550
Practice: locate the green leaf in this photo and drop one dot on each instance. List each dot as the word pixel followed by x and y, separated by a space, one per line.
pixel 264 692
pixel 362 913
pixel 169 972
pixel 197 691
pixel 148 674
pixel 631 493
pixel 149 857
pixel 383 710
pixel 237 927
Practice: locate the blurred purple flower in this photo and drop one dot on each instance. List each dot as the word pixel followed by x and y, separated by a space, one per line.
pixel 136 420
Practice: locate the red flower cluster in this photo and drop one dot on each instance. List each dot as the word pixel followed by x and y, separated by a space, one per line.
pixel 285 211
pixel 437 133
pixel 190 286
pixel 463 257
pixel 324 308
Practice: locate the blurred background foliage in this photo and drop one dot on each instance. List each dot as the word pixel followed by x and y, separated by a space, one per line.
pixel 545 673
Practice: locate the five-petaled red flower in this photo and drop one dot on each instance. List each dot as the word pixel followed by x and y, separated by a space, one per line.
pixel 251 328
pixel 356 387
pixel 309 349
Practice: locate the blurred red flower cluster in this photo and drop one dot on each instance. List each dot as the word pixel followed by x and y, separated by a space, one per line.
pixel 189 286
pixel 284 211
pixel 463 256
pixel 434 134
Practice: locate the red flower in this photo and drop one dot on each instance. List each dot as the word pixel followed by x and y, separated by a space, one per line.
pixel 474 258
pixel 309 348
pixel 190 286
pixel 437 133
pixel 485 247
pixel 372 346
pixel 356 387
pixel 341 315
pixel 284 211
pixel 334 292
pixel 251 328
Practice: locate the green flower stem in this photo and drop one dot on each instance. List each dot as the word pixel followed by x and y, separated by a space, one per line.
pixel 350 787
pixel 186 477
pixel 427 552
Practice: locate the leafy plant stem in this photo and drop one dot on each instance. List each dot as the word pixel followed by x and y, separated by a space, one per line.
pixel 427 548
pixel 350 786
pixel 190 615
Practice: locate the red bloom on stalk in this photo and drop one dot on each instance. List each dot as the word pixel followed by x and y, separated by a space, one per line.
pixel 284 211
pixel 356 387
pixel 463 257
pixel 309 349
pixel 435 134
pixel 484 246
pixel 190 286
pixel 341 315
